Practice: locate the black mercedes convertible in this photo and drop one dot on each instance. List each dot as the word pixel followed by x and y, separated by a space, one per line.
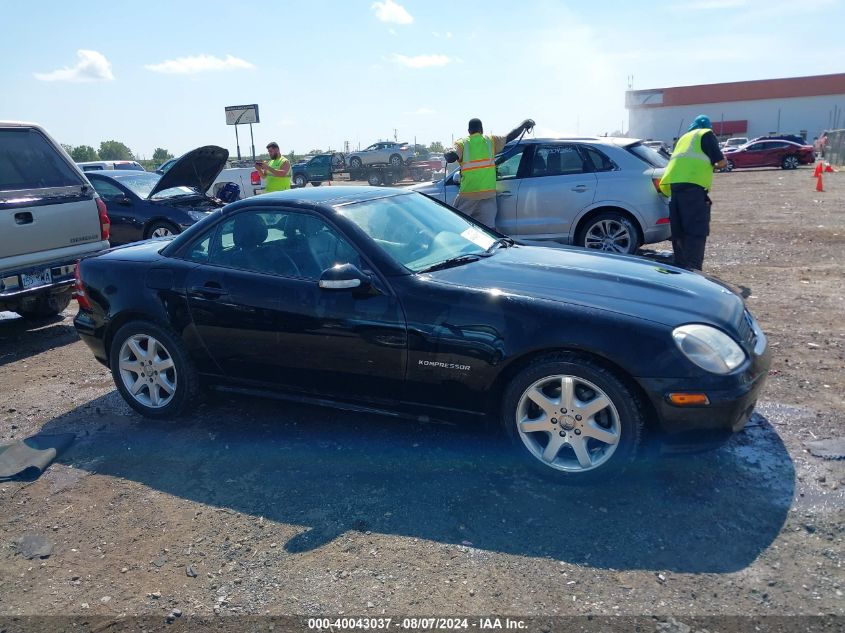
pixel 385 300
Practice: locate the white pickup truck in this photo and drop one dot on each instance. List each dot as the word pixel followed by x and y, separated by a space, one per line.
pixel 247 178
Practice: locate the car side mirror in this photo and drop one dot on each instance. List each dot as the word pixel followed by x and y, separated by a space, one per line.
pixel 124 201
pixel 456 178
pixel 344 277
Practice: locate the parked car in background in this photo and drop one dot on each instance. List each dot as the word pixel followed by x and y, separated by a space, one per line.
pixel 120 165
pixel 384 300
pixel 793 138
pixel 599 192
pixel 769 153
pixel 50 217
pixel 657 146
pixel 146 205
pixel 736 141
pixel 387 152
pixel 243 174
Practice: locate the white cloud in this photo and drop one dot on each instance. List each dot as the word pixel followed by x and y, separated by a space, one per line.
pixel 422 112
pixel 390 11
pixel 92 66
pixel 199 64
pixel 421 61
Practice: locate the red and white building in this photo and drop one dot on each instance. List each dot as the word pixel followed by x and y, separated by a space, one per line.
pixel 798 105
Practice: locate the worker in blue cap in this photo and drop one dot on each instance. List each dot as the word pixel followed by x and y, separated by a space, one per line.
pixel 687 180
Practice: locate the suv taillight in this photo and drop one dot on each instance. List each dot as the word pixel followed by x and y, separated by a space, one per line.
pixel 255 178
pixel 79 290
pixel 656 183
pixel 105 223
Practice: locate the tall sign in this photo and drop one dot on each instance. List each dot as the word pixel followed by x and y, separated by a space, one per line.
pixel 241 115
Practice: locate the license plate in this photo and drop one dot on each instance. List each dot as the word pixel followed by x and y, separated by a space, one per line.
pixel 36 278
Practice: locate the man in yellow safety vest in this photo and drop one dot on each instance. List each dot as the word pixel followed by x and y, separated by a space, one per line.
pixel 477 156
pixel 276 171
pixel 687 180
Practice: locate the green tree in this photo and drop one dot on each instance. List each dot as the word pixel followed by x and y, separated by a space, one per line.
pixel 83 153
pixel 67 148
pixel 114 150
pixel 160 155
pixel 436 147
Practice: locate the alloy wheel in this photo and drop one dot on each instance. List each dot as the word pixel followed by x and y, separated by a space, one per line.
pixel 161 231
pixel 609 235
pixel 568 423
pixel 147 371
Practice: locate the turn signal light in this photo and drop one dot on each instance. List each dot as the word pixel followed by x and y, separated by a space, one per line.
pixel 689 399
pixel 105 223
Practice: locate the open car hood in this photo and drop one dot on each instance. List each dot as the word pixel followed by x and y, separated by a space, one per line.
pixel 197 169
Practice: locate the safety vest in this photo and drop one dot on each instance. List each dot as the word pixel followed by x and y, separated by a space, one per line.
pixel 478 167
pixel 688 163
pixel 277 183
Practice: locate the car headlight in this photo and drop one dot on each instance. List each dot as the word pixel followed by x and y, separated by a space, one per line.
pixel 196 216
pixel 708 348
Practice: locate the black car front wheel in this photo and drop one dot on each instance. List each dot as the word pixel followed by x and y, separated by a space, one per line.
pixel 571 418
pixel 152 370
pixel 161 228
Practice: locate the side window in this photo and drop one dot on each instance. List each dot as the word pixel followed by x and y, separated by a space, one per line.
pixel 598 159
pixel 107 191
pixel 201 247
pixel 507 167
pixel 92 168
pixel 289 244
pixel 557 160
pixel 756 147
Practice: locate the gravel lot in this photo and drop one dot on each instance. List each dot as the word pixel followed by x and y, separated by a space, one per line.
pixel 260 507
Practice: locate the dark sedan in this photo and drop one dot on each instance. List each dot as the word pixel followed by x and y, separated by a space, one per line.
pixel 384 300
pixel 142 205
pixel 770 153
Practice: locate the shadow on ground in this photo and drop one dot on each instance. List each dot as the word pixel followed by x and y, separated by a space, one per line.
pixel 20 338
pixel 331 472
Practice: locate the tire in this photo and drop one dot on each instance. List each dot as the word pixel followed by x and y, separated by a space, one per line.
pixel 730 166
pixel 47 306
pixel 174 383
pixel 299 180
pixel 557 444
pixel 611 232
pixel 375 179
pixel 790 162
pixel 316 183
pixel 395 160
pixel 355 163
pixel 161 228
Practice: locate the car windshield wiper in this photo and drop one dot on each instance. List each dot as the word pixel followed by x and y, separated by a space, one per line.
pixel 502 242
pixel 455 261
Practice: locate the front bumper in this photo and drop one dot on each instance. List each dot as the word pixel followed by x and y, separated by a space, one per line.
pixel 732 401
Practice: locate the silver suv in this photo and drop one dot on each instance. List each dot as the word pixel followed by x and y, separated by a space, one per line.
pixel 383 152
pixel 50 217
pixel 595 192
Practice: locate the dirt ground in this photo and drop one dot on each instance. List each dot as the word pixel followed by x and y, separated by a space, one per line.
pixel 259 507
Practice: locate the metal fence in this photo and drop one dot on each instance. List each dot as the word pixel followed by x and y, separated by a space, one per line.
pixel 835 151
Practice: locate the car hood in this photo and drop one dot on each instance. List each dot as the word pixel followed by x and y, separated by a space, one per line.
pixel 634 286
pixel 197 169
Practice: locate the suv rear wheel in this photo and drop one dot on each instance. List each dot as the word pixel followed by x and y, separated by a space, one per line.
pixel 609 231
pixel 46 306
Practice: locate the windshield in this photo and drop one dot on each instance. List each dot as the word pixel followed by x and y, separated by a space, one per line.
pixel 647 154
pixel 416 231
pixel 141 184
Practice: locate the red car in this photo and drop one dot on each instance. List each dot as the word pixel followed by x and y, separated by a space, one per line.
pixel 770 153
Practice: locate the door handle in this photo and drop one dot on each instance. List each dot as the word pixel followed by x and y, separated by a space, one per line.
pixel 504 193
pixel 24 217
pixel 580 188
pixel 212 290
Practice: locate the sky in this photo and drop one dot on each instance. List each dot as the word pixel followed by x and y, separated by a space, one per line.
pixel 324 72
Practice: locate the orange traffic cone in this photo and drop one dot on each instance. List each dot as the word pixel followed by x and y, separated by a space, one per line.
pixel 818 170
pixel 828 169
pixel 819 184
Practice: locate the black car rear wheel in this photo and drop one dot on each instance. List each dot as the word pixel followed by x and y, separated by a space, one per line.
pixel 161 228
pixel 152 370
pixel 572 419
